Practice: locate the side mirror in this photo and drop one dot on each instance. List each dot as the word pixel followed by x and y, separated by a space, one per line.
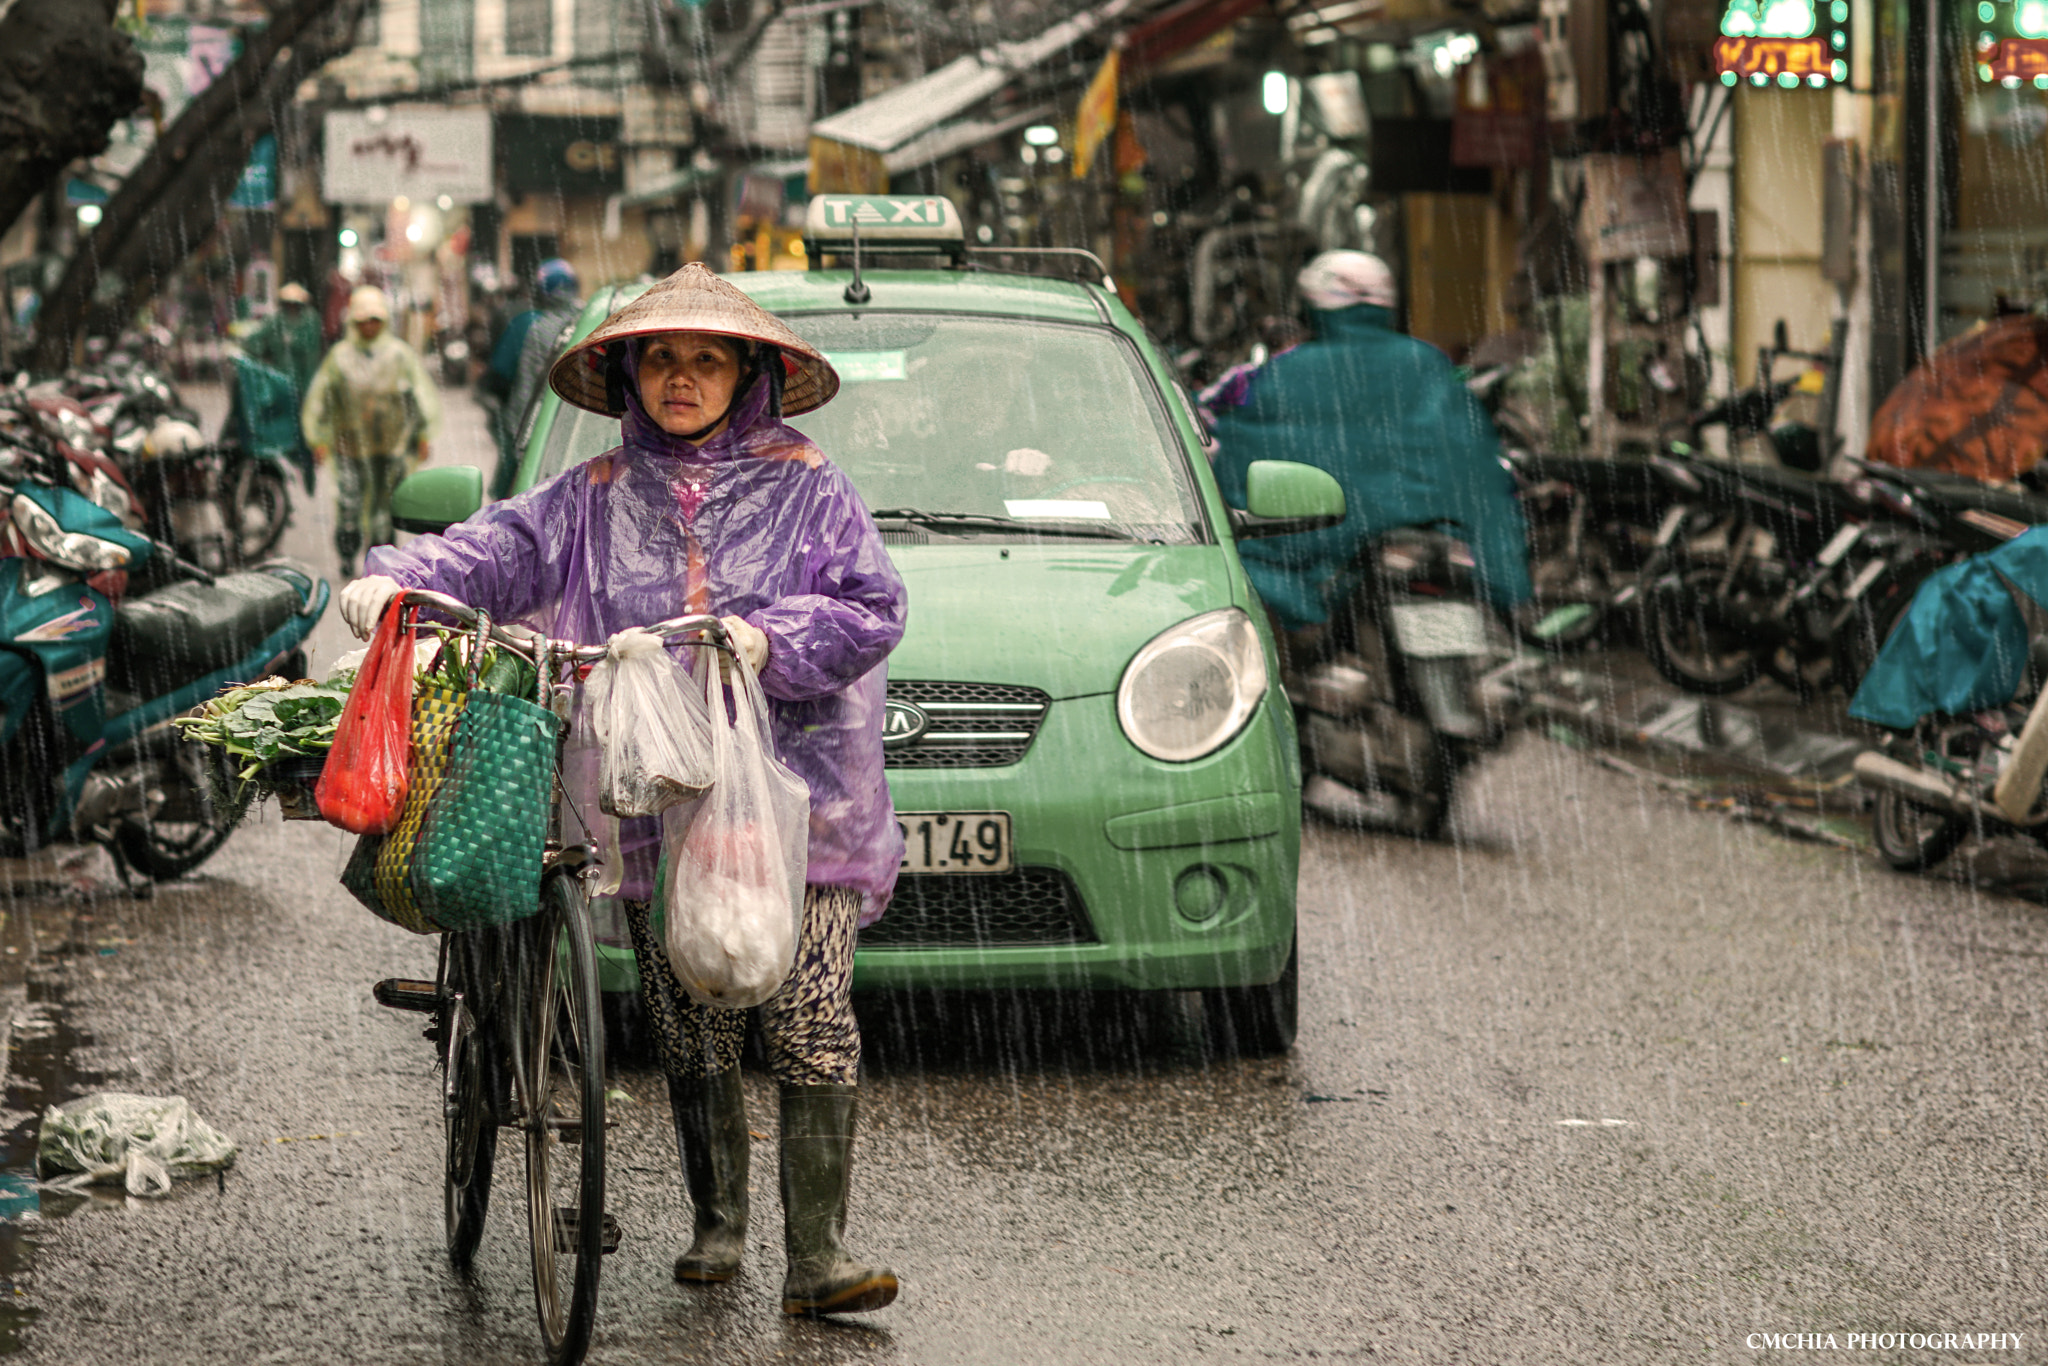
pixel 434 500
pixel 1283 497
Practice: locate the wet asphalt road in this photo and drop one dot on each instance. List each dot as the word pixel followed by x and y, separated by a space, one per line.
pixel 1606 1079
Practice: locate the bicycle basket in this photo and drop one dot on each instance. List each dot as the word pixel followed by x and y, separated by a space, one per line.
pixel 468 848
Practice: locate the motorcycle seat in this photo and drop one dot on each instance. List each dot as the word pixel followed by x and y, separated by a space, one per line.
pixel 188 630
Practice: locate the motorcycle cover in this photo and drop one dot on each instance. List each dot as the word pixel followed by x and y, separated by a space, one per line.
pixel 1962 644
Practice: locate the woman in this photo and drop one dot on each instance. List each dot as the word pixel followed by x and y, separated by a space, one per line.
pixel 713 504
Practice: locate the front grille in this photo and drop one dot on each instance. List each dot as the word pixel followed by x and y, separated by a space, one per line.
pixel 1027 906
pixel 973 725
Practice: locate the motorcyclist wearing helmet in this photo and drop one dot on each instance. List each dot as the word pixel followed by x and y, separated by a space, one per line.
pixel 1387 416
pixel 519 362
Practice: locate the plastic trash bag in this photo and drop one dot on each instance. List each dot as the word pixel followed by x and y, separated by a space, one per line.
pixel 653 727
pixel 142 1142
pixel 732 894
pixel 363 784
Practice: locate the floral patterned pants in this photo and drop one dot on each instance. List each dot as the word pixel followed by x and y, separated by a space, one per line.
pixel 808 1026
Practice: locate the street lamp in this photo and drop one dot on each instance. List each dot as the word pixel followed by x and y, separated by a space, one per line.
pixel 1273 90
pixel 88 215
pixel 348 237
pixel 1041 135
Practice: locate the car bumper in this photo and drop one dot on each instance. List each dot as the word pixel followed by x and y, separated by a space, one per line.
pixel 1184 873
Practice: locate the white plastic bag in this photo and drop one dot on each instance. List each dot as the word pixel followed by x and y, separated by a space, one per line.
pixel 139 1141
pixel 733 894
pixel 652 727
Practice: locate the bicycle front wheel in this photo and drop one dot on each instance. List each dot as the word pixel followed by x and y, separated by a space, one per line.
pixel 473 1084
pixel 563 1032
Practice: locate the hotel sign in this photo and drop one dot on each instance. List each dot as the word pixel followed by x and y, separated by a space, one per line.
pixel 1786 43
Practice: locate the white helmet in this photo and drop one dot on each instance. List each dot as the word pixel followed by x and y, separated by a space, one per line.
pixel 1340 279
pixel 172 437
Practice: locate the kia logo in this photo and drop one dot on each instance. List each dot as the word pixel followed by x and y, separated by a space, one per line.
pixel 903 724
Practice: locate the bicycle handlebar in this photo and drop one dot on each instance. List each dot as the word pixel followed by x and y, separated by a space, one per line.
pixel 532 644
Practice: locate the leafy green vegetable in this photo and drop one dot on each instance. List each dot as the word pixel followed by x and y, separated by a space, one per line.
pixel 503 671
pixel 258 722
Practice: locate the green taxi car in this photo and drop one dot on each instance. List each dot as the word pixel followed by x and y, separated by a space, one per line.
pixel 1093 764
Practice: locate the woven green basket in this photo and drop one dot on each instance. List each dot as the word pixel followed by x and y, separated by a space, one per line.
pixel 468 849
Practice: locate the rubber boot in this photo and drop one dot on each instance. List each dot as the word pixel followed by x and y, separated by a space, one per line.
pixel 711 1135
pixel 817 1165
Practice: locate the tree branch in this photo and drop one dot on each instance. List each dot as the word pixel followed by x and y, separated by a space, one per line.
pixel 170 203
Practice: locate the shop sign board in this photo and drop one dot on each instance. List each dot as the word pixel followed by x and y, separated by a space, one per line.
pixel 561 155
pixel 2012 42
pixel 1635 207
pixel 2015 62
pixel 1499 116
pixel 419 152
pixel 1786 43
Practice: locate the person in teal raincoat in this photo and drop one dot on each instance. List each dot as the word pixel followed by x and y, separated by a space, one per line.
pixel 289 340
pixel 1385 414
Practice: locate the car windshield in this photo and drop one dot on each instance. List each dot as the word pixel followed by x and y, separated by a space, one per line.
pixel 979 427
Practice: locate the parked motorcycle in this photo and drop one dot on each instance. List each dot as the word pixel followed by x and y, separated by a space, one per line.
pixel 1592 526
pixel 1937 518
pixel 89 679
pixel 1965 722
pixel 132 416
pixel 1393 701
pixel 1751 574
pixel 1937 783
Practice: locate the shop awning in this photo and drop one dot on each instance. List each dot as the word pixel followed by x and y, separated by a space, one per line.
pixel 691 179
pixel 958 137
pixel 1180 27
pixel 688 180
pixel 890 120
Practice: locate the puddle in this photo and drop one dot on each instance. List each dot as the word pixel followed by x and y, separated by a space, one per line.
pixel 40 1073
pixel 53 906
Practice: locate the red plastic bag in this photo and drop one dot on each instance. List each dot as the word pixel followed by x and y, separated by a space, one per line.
pixel 363 785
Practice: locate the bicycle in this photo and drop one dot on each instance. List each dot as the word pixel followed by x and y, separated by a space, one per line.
pixel 516 1014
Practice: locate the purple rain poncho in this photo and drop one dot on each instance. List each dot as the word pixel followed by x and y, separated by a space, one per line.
pixel 753 523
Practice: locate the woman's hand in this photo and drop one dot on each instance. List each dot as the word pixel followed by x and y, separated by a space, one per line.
pixel 749 642
pixel 363 603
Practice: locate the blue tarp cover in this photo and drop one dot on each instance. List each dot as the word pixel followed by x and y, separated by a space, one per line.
pixel 1962 645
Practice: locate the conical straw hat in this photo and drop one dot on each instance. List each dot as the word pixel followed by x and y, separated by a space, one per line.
pixel 693 300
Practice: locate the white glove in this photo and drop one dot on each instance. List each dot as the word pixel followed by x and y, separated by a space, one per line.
pixel 749 642
pixel 363 603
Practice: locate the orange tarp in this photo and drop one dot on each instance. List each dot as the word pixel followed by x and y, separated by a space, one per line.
pixel 1977 407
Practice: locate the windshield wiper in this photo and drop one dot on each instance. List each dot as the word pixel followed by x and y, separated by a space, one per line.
pixel 979 521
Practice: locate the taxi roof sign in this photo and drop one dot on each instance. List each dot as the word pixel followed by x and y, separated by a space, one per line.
pixel 924 225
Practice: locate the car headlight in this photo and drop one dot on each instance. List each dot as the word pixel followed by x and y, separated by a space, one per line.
pixel 72 549
pixel 1193 687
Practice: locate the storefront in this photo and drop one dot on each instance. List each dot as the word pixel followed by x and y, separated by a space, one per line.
pixel 1959 153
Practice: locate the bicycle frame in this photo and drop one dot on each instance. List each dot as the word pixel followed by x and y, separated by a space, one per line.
pixel 487 984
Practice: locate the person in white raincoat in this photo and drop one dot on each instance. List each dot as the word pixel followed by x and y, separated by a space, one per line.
pixel 373 407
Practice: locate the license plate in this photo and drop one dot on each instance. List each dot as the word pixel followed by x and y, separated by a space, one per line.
pixel 1439 630
pixel 955 841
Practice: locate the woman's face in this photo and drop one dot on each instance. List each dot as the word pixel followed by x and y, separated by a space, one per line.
pixel 686 382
